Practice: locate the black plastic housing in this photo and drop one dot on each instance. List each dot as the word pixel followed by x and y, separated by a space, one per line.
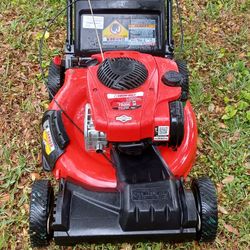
pixel 153 205
pixel 149 9
pixel 52 122
pixel 172 79
pixel 138 211
pixel 176 123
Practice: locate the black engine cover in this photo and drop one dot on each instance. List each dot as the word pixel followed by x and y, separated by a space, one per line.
pixel 122 73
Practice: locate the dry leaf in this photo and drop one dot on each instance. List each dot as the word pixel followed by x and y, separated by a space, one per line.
pixel 222 210
pixel 219 110
pixel 25 232
pixel 247 165
pixel 219 187
pixel 235 137
pixel 242 55
pixel 126 246
pixel 222 125
pixel 228 179
pixel 211 107
pixel 231 229
pixel 35 176
pixel 200 142
pixel 230 77
pixel 4 198
pixel 26 207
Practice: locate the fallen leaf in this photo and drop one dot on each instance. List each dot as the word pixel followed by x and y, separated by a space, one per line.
pixel 228 179
pixel 247 165
pixel 126 246
pixel 26 207
pixel 211 107
pixel 222 125
pixel 35 176
pixel 199 116
pixel 230 77
pixel 219 187
pixel 200 142
pixel 219 110
pixel 25 232
pixel 231 229
pixel 222 210
pixel 40 35
pixel 242 55
pixel 235 137
pixel 4 198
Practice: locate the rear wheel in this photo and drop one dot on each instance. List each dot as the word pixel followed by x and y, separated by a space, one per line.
pixel 206 202
pixel 41 205
pixel 55 79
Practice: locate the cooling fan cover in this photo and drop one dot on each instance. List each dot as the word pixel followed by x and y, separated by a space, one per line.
pixel 122 73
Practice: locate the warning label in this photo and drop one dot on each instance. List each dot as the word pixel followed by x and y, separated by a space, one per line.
pixel 120 31
pixel 142 32
pixel 161 133
pixel 47 139
pixel 115 33
pixel 130 32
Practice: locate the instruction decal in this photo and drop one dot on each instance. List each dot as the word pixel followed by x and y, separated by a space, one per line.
pixel 92 22
pixel 142 31
pixel 115 33
pixel 129 101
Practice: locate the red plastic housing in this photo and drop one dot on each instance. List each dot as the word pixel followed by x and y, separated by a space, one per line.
pixel 82 86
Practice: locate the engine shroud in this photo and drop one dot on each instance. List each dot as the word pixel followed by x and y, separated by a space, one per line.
pixel 122 73
pixel 121 116
pixel 138 113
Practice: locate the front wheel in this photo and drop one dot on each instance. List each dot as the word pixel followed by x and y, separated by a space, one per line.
pixel 206 202
pixel 41 205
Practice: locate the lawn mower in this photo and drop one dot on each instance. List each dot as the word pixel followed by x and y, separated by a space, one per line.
pixel 120 135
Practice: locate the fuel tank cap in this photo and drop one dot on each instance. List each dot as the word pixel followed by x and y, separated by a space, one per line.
pixel 172 78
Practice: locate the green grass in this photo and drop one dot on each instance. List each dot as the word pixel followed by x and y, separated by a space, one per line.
pixel 216 47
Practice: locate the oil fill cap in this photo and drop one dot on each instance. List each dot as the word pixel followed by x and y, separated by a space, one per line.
pixel 172 78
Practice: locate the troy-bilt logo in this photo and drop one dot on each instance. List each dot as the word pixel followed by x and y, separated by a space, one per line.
pixel 123 118
pixel 150 194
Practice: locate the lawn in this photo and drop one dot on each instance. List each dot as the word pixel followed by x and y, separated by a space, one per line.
pixel 217 49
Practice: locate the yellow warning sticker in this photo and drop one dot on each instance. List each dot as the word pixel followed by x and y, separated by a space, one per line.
pixel 48 141
pixel 115 32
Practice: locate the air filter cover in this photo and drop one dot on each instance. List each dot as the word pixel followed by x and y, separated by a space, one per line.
pixel 122 73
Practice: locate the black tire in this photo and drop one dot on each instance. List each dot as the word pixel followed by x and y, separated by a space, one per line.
pixel 183 70
pixel 55 79
pixel 41 205
pixel 206 202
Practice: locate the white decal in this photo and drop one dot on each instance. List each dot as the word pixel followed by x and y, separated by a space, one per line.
pixel 90 22
pixel 161 133
pixel 159 138
pixel 124 118
pixel 163 130
pixel 117 96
